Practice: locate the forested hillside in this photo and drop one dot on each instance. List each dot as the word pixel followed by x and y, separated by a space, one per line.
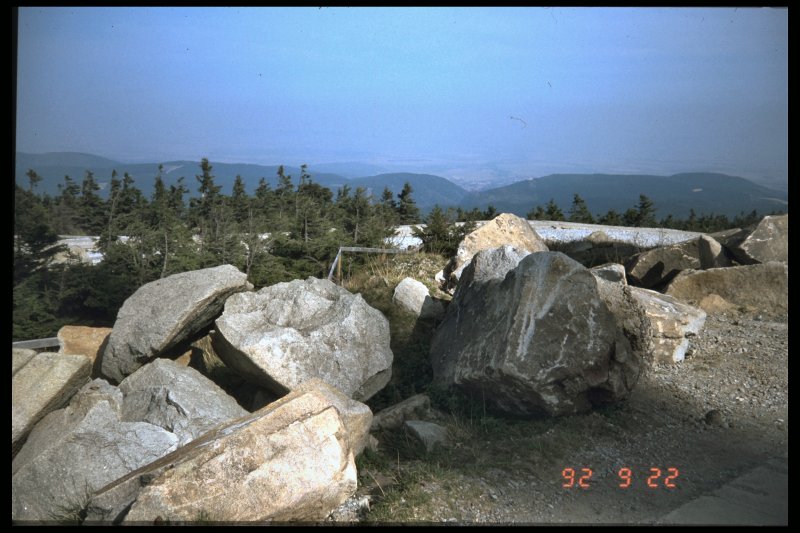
pixel 275 234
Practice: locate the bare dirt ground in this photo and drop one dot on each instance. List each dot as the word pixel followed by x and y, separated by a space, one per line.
pixel 713 417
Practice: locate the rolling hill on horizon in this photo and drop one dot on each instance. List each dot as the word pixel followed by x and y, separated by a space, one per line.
pixel 676 194
pixel 704 192
pixel 428 189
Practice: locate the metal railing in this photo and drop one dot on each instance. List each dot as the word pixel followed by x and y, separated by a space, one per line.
pixel 36 343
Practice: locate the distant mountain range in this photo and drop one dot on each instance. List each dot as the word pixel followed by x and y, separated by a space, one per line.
pixel 704 192
pixel 676 194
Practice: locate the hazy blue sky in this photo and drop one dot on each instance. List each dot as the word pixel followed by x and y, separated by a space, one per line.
pixel 589 89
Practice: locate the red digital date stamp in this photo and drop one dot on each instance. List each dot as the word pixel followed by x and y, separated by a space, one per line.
pixel 654 479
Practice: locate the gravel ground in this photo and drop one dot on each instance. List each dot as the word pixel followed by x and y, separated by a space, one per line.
pixel 719 413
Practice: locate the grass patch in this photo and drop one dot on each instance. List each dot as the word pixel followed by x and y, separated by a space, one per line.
pixel 375 280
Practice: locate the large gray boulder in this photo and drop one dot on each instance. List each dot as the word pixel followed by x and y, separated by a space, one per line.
pixel 762 287
pixel 290 332
pixel 40 384
pixel 414 297
pixel 672 322
pixel 177 398
pixel 291 460
pixel 505 229
pixel 164 313
pixel 75 451
pixel 766 241
pixel 106 432
pixel 541 340
pixel 658 266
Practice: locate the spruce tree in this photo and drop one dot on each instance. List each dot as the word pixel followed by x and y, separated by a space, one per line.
pixel 579 212
pixel 552 211
pixel 407 208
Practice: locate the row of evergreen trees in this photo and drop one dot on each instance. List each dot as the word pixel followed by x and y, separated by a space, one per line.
pixel 291 231
pixel 641 215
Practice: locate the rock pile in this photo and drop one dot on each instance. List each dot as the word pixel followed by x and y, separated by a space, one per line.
pixel 168 445
pixel 536 332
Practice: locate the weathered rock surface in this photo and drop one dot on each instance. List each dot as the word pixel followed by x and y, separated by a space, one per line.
pixel 83 340
pixel 711 253
pixel 20 358
pixel 763 287
pixel 75 451
pixel 493 264
pixel 290 332
pixel 414 297
pixel 106 432
pixel 45 383
pixel 658 327
pixel 289 461
pixel 414 408
pixel 658 266
pixel 610 272
pixel 429 434
pixel 767 241
pixel 672 322
pixel 164 313
pixel 630 318
pixel 177 398
pixel 714 303
pixel 539 341
pixel 356 417
pixel 503 229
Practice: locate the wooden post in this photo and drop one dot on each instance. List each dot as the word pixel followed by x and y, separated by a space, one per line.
pixel 339 269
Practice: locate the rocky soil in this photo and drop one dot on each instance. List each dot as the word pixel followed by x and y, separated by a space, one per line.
pixel 717 414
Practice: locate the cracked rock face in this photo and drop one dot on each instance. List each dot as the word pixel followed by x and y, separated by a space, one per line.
pixel 539 340
pixel 291 460
pixel 73 452
pixel 106 432
pixel 290 332
pixel 176 398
